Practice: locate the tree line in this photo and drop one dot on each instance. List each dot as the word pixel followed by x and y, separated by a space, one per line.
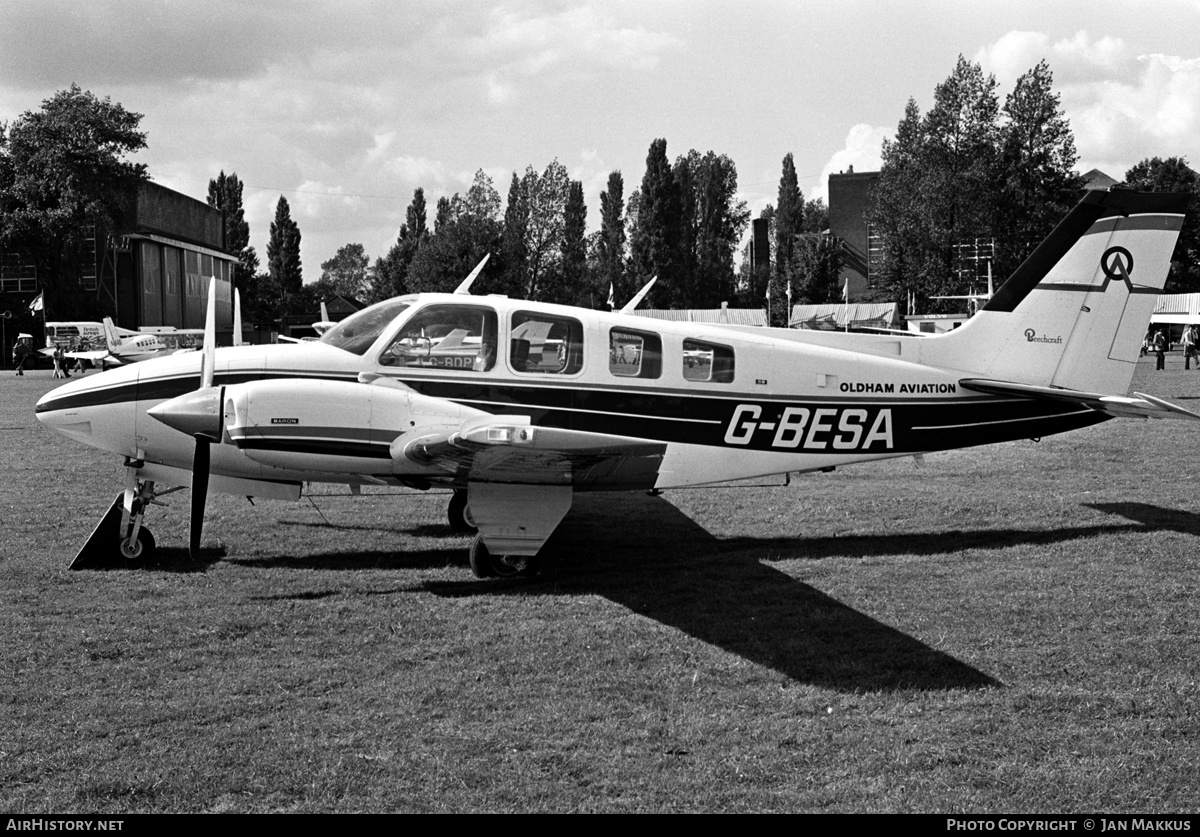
pixel 682 226
pixel 969 170
pixel 973 182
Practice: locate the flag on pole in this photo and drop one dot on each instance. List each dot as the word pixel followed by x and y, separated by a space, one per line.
pixel 37 303
pixel 612 303
pixel 846 291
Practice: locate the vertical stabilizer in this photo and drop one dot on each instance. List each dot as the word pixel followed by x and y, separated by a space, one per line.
pixel 111 338
pixel 1074 313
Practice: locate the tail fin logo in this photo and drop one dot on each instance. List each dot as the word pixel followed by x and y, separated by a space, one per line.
pixel 1117 263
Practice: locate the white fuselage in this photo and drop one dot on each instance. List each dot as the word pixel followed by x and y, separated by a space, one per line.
pixel 727 403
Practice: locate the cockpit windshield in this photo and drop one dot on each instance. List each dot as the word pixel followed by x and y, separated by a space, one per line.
pixel 360 330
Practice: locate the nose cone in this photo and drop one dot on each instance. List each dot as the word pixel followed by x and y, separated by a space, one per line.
pixel 97 410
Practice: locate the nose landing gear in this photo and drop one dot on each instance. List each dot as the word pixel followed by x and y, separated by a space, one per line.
pixel 120 539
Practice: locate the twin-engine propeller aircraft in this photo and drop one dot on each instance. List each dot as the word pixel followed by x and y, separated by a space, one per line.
pixel 518 405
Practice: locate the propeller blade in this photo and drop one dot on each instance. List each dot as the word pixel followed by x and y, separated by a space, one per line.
pixel 209 362
pixel 237 318
pixel 199 494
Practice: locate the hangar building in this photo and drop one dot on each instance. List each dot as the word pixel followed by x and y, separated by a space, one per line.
pixel 154 271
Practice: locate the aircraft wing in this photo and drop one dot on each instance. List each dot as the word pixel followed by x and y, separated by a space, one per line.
pixel 95 355
pixel 509 449
pixel 1143 406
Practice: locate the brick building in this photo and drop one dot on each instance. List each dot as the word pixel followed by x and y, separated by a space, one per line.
pixel 849 195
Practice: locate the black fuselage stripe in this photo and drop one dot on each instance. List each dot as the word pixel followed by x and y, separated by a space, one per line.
pixel 675 417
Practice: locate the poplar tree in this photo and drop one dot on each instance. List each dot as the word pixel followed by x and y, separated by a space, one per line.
pixel 789 220
pixel 283 251
pixel 390 273
pixel 655 238
pixel 225 194
pixel 610 246
pixel 718 220
pixel 513 249
pixel 573 288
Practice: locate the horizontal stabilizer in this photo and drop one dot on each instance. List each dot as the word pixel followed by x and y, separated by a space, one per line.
pixel 1143 406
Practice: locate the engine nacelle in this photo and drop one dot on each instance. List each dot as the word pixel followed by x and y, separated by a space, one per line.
pixel 330 426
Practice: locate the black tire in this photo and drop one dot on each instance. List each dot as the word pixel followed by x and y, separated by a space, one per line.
pixel 135 553
pixel 486 565
pixel 458 514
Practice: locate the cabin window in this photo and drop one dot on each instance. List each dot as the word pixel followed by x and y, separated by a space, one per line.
pixel 634 354
pixel 707 362
pixel 451 338
pixel 545 344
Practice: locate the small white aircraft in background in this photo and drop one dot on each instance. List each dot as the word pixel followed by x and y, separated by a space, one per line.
pixel 320 327
pixel 325 323
pixel 518 405
pixel 121 345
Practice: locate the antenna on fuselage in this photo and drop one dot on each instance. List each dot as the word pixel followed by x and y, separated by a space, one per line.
pixel 639 296
pixel 465 287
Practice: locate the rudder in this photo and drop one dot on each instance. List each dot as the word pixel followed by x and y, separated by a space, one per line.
pixel 1074 313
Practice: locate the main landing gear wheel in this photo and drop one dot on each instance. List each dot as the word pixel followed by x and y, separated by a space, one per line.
pixel 486 565
pixel 458 514
pixel 139 550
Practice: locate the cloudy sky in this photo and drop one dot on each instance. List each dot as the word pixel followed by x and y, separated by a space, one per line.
pixel 346 106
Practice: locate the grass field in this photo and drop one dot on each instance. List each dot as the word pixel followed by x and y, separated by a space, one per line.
pixel 1005 629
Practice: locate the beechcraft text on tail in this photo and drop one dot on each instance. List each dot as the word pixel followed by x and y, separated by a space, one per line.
pixel 518 405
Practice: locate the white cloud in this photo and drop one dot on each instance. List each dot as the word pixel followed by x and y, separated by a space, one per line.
pixel 1156 113
pixel 1078 59
pixel 1123 107
pixel 861 151
pixel 522 45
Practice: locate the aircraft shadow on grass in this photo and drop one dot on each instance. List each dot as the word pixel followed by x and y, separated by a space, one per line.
pixel 167 559
pixel 1152 517
pixel 661 564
